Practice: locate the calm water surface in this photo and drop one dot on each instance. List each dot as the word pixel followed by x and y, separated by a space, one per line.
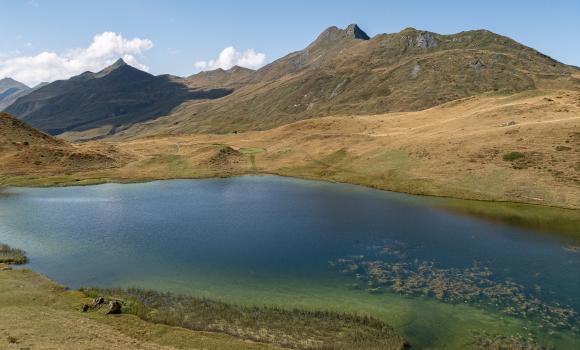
pixel 269 240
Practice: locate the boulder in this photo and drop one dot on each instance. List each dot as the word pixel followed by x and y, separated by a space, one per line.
pixel 114 307
pixel 98 301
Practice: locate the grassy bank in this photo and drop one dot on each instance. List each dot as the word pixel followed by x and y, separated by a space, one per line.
pixel 37 313
pixel 295 329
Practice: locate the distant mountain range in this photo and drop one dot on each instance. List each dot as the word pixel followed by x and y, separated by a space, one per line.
pixel 343 72
pixel 116 96
pixel 10 90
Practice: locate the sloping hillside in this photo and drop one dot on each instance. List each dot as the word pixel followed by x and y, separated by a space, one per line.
pixel 344 73
pixel 27 151
pixel 116 96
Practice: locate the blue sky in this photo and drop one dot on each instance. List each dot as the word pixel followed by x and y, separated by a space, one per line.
pixel 176 34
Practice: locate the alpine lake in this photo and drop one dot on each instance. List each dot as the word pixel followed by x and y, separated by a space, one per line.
pixel 440 278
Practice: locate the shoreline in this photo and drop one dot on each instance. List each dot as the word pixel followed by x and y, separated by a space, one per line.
pixel 123 181
pixel 565 221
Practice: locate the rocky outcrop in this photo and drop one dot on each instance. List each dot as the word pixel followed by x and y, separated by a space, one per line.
pixel 114 306
pixel 354 31
pixel 424 40
pixel 478 65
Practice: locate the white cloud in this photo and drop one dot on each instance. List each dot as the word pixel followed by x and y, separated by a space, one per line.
pixel 229 57
pixel 105 49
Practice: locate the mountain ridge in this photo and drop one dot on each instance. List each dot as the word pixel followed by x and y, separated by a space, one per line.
pixel 337 75
pixel 342 72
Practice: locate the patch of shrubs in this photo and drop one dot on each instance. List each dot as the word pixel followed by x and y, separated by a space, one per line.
pixel 9 255
pixel 510 157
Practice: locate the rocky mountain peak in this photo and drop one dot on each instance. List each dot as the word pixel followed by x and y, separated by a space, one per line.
pixel 335 34
pixel 419 38
pixel 354 31
pixel 118 63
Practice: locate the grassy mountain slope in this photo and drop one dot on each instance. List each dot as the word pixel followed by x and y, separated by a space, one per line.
pixel 342 74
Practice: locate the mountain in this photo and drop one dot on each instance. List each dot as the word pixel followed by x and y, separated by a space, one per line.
pixel 9 100
pixel 9 88
pixel 117 96
pixel 344 72
pixel 25 150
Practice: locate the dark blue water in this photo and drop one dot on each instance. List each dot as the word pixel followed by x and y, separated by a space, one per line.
pixel 262 239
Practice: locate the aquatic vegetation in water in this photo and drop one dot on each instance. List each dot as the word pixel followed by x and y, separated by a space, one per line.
pixel 9 255
pixel 484 341
pixel 388 268
pixel 295 329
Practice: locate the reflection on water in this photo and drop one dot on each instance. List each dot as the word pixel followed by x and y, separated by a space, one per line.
pixel 269 240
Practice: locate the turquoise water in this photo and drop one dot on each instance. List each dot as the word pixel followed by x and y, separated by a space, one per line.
pixel 274 240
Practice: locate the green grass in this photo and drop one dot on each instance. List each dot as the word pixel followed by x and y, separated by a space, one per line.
pixel 171 161
pixel 510 157
pixel 296 329
pixel 9 255
pixel 251 150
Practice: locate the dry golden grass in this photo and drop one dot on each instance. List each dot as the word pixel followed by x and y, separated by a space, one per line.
pixel 25 150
